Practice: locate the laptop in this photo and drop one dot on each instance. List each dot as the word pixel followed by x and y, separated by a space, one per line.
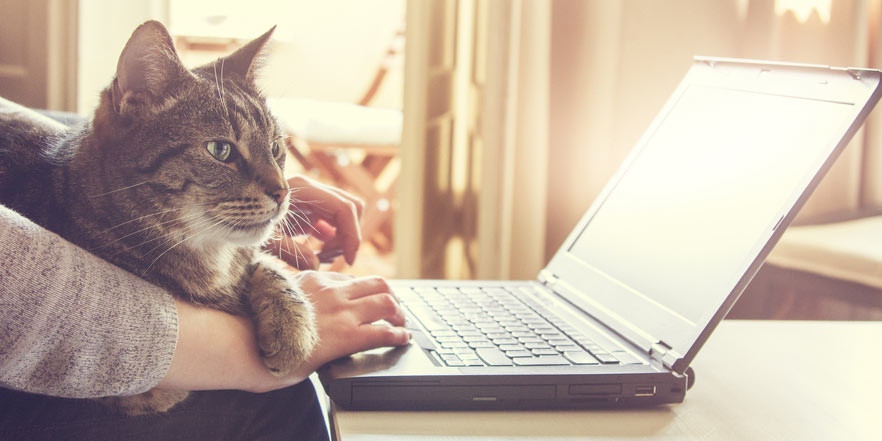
pixel 623 307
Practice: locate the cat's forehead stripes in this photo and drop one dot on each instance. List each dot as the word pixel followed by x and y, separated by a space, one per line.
pixel 250 123
pixel 249 110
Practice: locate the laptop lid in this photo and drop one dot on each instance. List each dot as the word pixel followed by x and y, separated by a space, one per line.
pixel 674 238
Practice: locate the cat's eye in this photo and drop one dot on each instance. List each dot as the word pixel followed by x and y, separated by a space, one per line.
pixel 275 148
pixel 221 150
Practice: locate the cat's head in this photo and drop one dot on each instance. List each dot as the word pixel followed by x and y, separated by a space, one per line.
pixel 200 144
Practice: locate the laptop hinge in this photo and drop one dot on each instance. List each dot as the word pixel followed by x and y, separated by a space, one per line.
pixel 547 277
pixel 659 350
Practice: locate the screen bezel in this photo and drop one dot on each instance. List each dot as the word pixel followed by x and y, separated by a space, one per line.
pixel 646 323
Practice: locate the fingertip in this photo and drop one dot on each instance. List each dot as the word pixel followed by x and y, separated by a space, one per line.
pixel 403 336
pixel 349 255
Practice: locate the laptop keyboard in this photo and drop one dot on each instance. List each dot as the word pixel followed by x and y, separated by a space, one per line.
pixel 493 326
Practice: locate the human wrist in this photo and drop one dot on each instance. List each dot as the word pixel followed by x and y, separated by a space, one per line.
pixel 217 350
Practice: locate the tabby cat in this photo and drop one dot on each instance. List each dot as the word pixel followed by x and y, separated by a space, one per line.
pixel 178 179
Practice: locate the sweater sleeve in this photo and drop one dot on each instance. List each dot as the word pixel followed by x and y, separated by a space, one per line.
pixel 74 325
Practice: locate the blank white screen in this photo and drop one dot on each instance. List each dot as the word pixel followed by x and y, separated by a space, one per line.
pixel 707 189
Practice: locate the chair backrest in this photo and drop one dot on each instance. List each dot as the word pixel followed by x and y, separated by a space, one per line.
pixel 395 51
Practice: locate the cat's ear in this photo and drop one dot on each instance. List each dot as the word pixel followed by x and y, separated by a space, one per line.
pixel 248 59
pixel 146 66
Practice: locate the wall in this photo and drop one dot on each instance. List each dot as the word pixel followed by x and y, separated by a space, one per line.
pixel 614 64
pixel 322 49
pixel 105 26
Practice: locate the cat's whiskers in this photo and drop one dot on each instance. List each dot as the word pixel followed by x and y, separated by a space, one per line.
pixel 182 241
pixel 285 233
pixel 169 210
pixel 149 227
pixel 299 255
pixel 118 189
pixel 198 224
pixel 219 85
pixel 300 217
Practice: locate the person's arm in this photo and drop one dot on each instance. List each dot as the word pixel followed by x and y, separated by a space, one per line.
pixel 73 325
pixel 219 351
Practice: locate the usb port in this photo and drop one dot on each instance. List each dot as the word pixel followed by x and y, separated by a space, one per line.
pixel 644 391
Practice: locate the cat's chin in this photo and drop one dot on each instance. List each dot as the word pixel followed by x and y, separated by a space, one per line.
pixel 250 236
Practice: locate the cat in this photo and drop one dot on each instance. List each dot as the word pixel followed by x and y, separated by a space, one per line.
pixel 177 178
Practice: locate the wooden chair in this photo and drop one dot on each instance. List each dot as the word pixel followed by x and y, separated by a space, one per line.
pixel 352 146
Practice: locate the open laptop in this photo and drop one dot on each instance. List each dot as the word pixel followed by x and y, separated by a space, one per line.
pixel 649 271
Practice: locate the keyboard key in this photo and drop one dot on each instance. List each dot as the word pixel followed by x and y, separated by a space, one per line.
pixel 505 341
pixel 512 347
pixel 533 339
pixel 519 334
pixel 429 319
pixel 474 362
pixel 580 357
pixel 481 344
pixel 517 328
pixel 594 349
pixel 452 345
pixel 563 348
pixel 606 358
pixel 548 351
pixel 560 342
pixel 495 335
pixel 626 358
pixel 446 339
pixel 470 333
pixel 474 338
pixel 516 354
pixel 537 346
pixel 493 357
pixel 444 333
pixel 449 291
pixel 545 360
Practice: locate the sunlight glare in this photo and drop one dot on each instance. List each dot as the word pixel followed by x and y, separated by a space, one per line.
pixel 802 9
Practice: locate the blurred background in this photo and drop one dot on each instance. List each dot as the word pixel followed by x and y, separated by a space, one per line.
pixel 479 131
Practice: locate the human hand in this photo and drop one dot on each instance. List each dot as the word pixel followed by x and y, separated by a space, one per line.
pixel 346 309
pixel 325 212
pixel 217 350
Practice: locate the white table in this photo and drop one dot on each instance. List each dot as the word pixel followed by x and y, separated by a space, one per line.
pixel 755 380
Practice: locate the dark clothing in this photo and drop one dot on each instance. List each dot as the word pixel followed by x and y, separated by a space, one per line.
pixel 287 414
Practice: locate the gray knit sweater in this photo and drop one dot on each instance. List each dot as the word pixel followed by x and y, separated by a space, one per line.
pixel 73 325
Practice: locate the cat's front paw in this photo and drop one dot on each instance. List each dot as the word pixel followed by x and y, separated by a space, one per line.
pixel 286 331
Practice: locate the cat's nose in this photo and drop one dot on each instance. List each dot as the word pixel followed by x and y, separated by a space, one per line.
pixel 278 194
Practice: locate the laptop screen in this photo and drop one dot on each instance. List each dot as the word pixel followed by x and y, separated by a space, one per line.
pixel 703 193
